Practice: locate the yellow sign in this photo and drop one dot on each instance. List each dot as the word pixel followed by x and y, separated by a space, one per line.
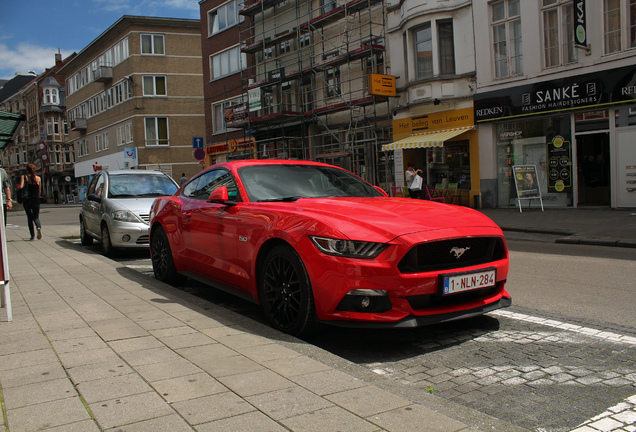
pixel 405 127
pixel 382 85
pixel 231 146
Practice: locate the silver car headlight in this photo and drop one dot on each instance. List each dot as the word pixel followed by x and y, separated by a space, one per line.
pixel 126 216
pixel 348 248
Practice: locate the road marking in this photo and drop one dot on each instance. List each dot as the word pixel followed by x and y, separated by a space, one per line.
pixel 600 334
pixel 613 419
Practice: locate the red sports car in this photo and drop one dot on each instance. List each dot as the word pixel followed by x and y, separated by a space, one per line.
pixel 315 243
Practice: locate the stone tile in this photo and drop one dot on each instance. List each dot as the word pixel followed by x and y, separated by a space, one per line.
pixel 244 340
pixel 47 415
pixel 328 420
pixel 130 409
pixel 166 370
pixel 213 407
pixel 117 329
pixel 149 356
pixel 188 387
pixel 225 366
pixel 98 371
pixel 257 382
pixel 71 333
pixel 294 366
pixel 367 401
pixel 169 423
pixel 173 331
pixel 328 382
pixel 273 351
pixel 81 426
pixel 206 353
pixel 32 374
pixel 31 394
pixel 71 345
pixel 112 387
pixel 252 421
pixel 86 357
pixel 416 418
pixel 186 340
pixel 164 322
pixel 135 344
pixel 25 341
pixel 289 402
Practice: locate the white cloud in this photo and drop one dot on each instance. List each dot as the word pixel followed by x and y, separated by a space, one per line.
pixel 26 57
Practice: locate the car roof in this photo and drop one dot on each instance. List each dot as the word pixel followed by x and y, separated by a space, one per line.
pixel 253 162
pixel 132 172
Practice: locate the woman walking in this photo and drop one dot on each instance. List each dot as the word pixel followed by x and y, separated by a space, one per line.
pixel 33 184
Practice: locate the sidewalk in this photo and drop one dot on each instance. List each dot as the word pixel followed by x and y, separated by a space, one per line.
pixel 95 346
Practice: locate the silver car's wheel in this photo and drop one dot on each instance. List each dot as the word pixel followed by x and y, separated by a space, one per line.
pixel 107 246
pixel 86 239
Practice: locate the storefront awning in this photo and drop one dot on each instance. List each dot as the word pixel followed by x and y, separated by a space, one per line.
pixel 10 124
pixel 430 139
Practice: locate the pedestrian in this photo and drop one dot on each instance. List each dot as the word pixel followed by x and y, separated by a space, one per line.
pixel 413 176
pixel 183 179
pixel 7 203
pixel 56 196
pixel 33 183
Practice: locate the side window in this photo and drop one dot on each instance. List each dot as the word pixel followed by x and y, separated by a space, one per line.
pixel 99 186
pixel 202 186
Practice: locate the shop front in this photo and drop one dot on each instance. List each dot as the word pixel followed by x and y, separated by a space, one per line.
pixel 444 146
pixel 579 134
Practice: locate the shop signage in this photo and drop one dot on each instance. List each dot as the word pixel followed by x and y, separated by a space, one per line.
pixel 559 157
pixel 254 98
pixel 276 74
pixel 405 127
pixel 236 113
pixel 584 91
pixel 230 147
pixel 580 24
pixel 382 85
pixel 526 181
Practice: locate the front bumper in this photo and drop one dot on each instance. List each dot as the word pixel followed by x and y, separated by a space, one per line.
pixel 129 235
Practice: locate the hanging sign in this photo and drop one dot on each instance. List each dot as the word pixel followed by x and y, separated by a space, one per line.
pixel 580 24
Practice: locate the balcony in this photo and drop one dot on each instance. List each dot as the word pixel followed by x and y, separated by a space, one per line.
pixel 103 74
pixel 79 124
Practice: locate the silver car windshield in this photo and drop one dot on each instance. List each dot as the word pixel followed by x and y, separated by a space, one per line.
pixel 291 182
pixel 131 186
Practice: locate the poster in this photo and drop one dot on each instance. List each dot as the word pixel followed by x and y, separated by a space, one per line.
pixel 559 153
pixel 526 181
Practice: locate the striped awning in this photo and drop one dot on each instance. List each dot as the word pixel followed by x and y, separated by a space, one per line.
pixel 430 139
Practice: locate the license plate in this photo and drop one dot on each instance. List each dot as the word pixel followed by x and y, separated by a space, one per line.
pixel 469 281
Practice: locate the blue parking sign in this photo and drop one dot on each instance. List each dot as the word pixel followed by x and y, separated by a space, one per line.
pixel 197 142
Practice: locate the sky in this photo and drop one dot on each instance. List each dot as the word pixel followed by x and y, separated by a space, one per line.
pixel 31 32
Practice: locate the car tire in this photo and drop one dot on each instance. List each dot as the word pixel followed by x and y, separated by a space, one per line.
pixel 107 246
pixel 85 238
pixel 161 256
pixel 285 292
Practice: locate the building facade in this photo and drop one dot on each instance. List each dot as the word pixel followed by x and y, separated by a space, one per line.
pixel 558 105
pixel 134 98
pixel 432 55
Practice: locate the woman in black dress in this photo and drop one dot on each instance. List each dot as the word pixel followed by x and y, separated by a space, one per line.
pixel 33 183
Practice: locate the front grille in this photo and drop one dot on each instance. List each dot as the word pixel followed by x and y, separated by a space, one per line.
pixel 144 239
pixel 145 217
pixel 443 255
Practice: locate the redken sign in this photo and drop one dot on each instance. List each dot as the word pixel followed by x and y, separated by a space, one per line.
pixel 584 91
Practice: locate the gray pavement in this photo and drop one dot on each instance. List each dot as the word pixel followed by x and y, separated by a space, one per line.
pixel 94 346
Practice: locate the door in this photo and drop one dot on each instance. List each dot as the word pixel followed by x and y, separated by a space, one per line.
pixel 593 168
pixel 91 210
pixel 626 169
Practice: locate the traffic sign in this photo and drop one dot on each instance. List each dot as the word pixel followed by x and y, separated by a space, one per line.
pixel 197 142
pixel 199 154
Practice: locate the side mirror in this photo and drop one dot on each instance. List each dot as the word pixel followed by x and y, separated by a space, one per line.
pixel 220 195
pixel 94 197
pixel 382 191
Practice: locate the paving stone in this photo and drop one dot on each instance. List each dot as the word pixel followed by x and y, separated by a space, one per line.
pixel 255 421
pixel 289 402
pixel 255 382
pixel 213 407
pixel 414 418
pixel 327 420
pixel 188 387
pixel 367 401
pixel 130 409
pixel 47 415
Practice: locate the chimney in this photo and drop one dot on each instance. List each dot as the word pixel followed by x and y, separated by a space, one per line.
pixel 58 57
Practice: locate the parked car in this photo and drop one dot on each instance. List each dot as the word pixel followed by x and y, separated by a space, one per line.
pixel 116 210
pixel 314 243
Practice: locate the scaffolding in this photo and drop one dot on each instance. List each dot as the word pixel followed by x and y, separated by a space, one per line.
pixel 307 92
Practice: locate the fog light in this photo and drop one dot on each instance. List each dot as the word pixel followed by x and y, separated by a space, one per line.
pixel 365 302
pixel 126 238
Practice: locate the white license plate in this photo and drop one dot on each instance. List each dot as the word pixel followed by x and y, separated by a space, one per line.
pixel 469 281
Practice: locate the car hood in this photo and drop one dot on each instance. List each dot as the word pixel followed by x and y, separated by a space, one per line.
pixel 135 205
pixel 384 219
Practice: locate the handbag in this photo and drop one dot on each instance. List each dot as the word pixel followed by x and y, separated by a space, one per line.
pixel 417 183
pixel 23 194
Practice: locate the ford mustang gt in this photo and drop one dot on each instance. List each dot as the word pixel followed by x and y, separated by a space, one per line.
pixel 314 243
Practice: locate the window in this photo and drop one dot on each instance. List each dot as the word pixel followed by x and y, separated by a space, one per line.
pixel 446 47
pixel 203 186
pixel 82 148
pixel 69 155
pixel 423 52
pixel 157 131
pixel 56 125
pixel 49 127
pixel 224 17
pixel 152 44
pixel 154 85
pixel 332 78
pixel 506 29
pixel 58 154
pixel 128 132
pixel 328 5
pixel 558 33
pixel 218 114
pixel 99 143
pixel 619 22
pixel 227 62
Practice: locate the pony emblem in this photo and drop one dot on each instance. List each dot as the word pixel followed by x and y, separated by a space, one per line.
pixel 458 251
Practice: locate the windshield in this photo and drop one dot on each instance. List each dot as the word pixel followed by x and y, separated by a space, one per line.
pixel 135 185
pixel 291 182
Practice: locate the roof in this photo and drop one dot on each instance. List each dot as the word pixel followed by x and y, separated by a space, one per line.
pixel 14 85
pixel 10 124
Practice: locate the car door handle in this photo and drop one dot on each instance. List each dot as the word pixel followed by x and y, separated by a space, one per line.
pixel 187 214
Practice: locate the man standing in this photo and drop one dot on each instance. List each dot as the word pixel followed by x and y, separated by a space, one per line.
pixel 7 204
pixel 183 179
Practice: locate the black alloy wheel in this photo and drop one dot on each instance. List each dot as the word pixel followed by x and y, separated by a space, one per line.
pixel 107 246
pixel 85 238
pixel 161 256
pixel 285 292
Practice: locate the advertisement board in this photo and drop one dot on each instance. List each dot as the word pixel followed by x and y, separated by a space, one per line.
pixel 526 183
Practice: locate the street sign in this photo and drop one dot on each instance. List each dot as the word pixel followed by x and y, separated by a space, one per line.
pixel 197 142
pixel 199 154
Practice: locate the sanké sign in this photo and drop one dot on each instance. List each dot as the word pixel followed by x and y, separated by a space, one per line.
pixel 583 91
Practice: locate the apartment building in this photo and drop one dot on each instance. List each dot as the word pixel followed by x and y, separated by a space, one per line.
pixel 432 56
pixel 307 92
pixel 556 99
pixel 224 71
pixel 134 98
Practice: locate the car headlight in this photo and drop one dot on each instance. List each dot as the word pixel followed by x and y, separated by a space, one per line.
pixel 126 216
pixel 348 248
